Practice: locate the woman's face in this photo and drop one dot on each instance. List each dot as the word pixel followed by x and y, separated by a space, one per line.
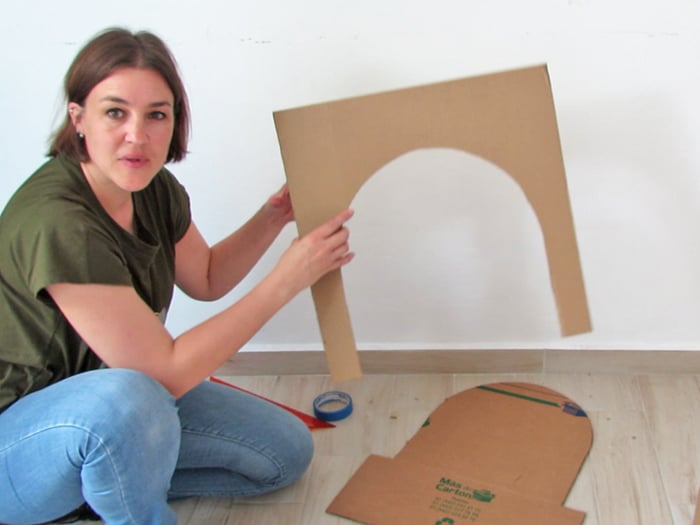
pixel 128 122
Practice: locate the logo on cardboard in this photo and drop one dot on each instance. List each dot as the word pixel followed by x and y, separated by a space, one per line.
pixel 455 488
pixel 445 521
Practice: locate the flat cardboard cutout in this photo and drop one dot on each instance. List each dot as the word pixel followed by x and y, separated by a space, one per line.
pixel 329 150
pixel 496 454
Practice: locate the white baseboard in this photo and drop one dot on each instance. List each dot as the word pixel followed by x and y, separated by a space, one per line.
pixel 471 361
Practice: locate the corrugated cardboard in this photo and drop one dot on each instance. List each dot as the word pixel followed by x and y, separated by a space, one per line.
pixel 497 454
pixel 696 520
pixel 391 491
pixel 329 150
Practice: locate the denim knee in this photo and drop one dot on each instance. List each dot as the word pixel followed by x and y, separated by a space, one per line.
pixel 110 435
pixel 300 451
pixel 138 408
pixel 237 444
pixel 142 439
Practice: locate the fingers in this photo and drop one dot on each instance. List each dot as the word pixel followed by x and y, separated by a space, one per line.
pixel 327 247
pixel 280 204
pixel 280 196
pixel 315 254
pixel 335 234
pixel 343 255
pixel 334 224
pixel 339 248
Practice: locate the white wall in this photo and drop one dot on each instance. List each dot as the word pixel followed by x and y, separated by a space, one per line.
pixel 449 254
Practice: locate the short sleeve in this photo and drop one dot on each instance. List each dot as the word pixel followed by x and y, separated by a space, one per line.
pixel 71 248
pixel 178 205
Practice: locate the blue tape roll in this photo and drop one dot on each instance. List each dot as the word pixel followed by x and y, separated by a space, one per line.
pixel 334 396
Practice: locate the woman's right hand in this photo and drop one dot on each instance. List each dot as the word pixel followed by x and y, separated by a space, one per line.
pixel 312 256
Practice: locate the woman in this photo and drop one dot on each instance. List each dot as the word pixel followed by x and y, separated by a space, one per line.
pixel 99 405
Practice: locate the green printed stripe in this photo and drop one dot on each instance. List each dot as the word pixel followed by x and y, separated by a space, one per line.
pixel 520 396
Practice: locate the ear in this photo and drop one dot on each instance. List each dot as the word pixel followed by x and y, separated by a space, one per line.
pixel 75 112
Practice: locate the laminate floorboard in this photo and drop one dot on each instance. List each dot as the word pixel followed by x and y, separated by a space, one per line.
pixel 643 468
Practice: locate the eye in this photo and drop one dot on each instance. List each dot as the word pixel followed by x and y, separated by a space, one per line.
pixel 115 113
pixel 157 115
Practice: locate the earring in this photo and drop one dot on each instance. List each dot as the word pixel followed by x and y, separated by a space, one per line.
pixel 81 136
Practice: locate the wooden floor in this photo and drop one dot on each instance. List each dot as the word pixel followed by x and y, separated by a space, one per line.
pixel 643 469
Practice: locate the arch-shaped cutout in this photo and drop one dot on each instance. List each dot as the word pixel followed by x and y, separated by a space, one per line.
pixel 329 150
pixel 454 261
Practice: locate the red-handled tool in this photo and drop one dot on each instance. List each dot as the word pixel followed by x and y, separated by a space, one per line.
pixel 312 422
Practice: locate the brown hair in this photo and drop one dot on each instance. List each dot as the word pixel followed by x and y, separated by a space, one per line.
pixel 105 53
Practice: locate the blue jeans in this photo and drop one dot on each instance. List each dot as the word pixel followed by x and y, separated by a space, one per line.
pixel 119 441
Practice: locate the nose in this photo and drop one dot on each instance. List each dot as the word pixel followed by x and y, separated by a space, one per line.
pixel 136 131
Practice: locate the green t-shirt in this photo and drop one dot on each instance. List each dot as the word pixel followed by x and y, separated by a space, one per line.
pixel 54 230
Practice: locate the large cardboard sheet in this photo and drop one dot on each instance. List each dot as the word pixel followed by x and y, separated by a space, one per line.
pixel 497 454
pixel 329 150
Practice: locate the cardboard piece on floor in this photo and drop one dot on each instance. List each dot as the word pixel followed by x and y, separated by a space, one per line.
pixel 329 151
pixel 493 455
pixel 389 491
pixel 696 520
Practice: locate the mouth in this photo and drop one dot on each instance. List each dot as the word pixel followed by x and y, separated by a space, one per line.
pixel 134 161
